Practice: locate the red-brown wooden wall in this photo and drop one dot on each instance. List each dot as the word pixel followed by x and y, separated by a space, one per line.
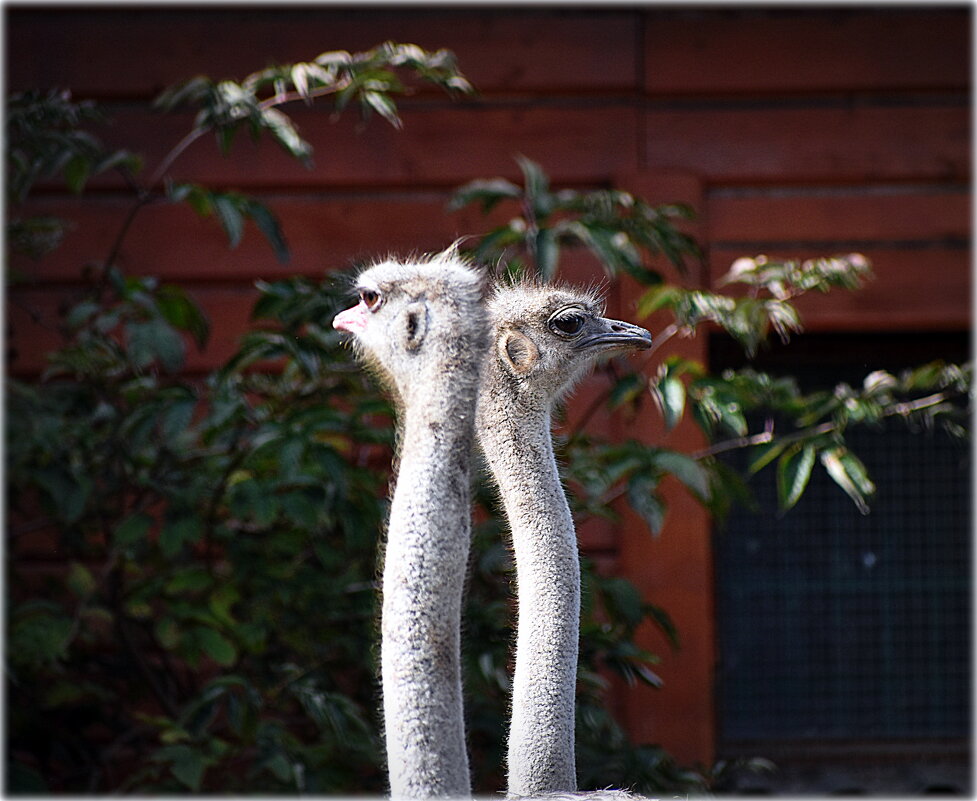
pixel 794 131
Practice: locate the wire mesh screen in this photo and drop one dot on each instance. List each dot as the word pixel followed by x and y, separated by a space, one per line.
pixel 837 625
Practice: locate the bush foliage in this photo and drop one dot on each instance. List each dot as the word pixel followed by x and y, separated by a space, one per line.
pixel 210 623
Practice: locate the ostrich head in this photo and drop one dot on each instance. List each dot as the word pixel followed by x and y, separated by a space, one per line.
pixel 546 337
pixel 417 321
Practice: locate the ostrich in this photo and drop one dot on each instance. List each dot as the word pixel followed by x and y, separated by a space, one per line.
pixel 545 338
pixel 422 327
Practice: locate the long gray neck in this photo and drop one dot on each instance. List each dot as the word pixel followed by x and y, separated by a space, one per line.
pixel 423 581
pixel 517 443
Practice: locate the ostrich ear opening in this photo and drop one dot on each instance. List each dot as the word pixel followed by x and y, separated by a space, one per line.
pixel 415 325
pixel 518 352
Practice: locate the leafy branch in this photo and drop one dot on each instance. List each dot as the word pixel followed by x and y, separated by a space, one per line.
pixel 816 423
pixel 754 301
pixel 226 106
pixel 370 77
pixel 772 284
pixel 45 138
pixel 620 229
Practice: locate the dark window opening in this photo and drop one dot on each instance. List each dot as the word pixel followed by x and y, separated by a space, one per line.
pixel 836 627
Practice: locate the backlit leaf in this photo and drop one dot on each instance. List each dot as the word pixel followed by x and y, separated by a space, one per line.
pixel 384 106
pixel 850 474
pixel 793 473
pixel 669 394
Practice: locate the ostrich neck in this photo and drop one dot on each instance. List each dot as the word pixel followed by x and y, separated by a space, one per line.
pixel 423 582
pixel 518 446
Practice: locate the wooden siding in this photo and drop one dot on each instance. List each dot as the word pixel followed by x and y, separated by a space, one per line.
pixel 794 132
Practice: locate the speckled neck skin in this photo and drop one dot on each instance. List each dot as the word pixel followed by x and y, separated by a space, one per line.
pixel 425 565
pixel 544 339
pixel 541 736
pixel 514 431
pixel 436 309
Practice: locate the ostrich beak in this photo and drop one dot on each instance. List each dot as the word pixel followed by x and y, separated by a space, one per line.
pixel 351 320
pixel 606 335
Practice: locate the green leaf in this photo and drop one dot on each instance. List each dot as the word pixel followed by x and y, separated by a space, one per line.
pixel 547 252
pixel 118 159
pixel 537 187
pixel 82 313
pixel 225 134
pixel 133 529
pixel 643 498
pixel 286 134
pixel 180 311
pixel 624 599
pixel 198 198
pixel 76 173
pixel 68 492
pixel 850 474
pixel 626 389
pixel 280 767
pixel 188 766
pixel 189 580
pixel 300 78
pixel 664 621
pixel 251 499
pixel 175 533
pixel 765 454
pixel 269 226
pixel 155 340
pixel 487 192
pixel 38 635
pixel 187 92
pixel 167 632
pixel 658 297
pixel 80 580
pixel 614 249
pixel 669 394
pixel 300 509
pixel 228 210
pixel 793 473
pixel 216 646
pixel 384 106
pixel 686 469
pixel 177 418
pixel 221 601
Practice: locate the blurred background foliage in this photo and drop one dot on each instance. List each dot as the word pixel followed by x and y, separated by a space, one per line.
pixel 212 625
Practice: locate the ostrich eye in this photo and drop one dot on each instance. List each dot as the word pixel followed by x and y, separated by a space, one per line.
pixel 567 325
pixel 371 299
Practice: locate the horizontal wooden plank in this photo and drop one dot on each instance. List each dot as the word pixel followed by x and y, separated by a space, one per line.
pixel 702 51
pixel 448 145
pixel 136 52
pixel 856 213
pixel 440 144
pixel 740 144
pixel 323 232
pixel 925 289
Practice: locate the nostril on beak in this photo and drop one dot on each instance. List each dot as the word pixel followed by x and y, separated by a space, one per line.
pixel 618 329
